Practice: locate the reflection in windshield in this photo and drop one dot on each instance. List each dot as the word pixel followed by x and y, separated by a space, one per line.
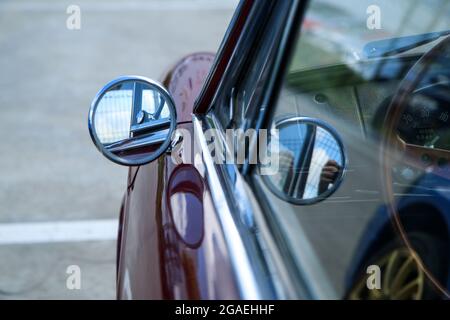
pixel 336 32
pixel 330 79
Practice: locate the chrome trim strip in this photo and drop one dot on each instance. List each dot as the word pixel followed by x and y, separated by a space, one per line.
pixel 138 142
pixel 226 50
pixel 245 275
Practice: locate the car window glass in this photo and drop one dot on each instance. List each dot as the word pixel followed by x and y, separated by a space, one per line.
pixel 343 77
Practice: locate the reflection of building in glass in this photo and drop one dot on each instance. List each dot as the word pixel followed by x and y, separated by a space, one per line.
pixel 325 149
pixel 306 153
pixel 151 100
pixel 291 143
pixel 113 116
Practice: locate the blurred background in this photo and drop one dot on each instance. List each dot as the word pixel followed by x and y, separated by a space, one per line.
pixel 59 197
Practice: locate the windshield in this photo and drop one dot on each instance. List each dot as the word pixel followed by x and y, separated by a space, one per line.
pixel 327 197
pixel 336 32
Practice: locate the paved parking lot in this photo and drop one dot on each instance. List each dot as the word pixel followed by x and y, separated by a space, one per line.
pixel 53 182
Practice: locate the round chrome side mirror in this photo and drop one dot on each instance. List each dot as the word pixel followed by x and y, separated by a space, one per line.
pixel 312 161
pixel 131 120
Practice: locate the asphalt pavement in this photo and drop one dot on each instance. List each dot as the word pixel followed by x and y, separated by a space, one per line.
pixel 59 198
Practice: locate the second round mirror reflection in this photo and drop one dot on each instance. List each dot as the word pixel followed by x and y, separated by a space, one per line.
pixel 311 161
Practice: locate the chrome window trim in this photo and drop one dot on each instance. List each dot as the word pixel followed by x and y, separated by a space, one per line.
pixel 249 212
pixel 278 274
pixel 238 57
pixel 287 281
pixel 252 284
pixel 268 255
pixel 238 24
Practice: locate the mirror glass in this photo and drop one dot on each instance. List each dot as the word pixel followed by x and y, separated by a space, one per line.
pixel 131 120
pixel 311 161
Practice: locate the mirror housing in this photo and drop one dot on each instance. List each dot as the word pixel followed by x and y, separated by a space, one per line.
pixel 131 120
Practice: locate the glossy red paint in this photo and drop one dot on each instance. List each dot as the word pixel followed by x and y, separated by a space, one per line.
pixel 185 81
pixel 169 253
pixel 184 200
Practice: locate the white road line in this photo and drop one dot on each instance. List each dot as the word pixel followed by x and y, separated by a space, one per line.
pixel 156 5
pixel 58 231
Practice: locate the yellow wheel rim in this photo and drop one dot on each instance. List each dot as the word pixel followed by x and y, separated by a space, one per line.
pixel 402 278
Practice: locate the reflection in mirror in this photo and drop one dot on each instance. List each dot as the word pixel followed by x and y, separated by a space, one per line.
pixel 113 114
pixel 131 120
pixel 311 161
